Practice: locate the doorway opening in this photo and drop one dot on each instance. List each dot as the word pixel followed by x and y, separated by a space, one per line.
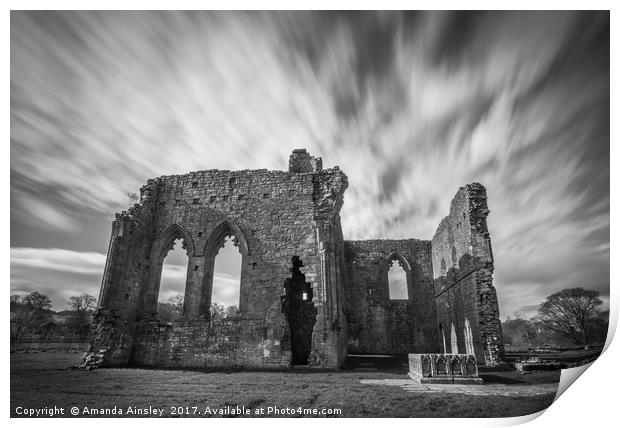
pixel 300 313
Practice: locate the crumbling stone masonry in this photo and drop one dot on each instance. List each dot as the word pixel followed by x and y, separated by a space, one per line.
pixel 306 295
pixel 465 299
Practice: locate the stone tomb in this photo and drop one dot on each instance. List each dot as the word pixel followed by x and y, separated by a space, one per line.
pixel 444 368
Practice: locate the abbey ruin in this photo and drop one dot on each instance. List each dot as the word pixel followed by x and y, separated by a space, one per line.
pixel 307 296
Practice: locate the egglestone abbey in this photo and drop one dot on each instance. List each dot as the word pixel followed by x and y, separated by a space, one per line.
pixel 307 296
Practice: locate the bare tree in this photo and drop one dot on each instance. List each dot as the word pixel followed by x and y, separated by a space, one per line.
pixel 231 311
pixel 176 305
pixel 82 307
pixel 83 303
pixel 172 310
pixel 530 332
pixel 219 313
pixel 520 331
pixel 133 197
pixel 37 301
pixel 16 302
pixel 571 312
pixel 32 313
pixel 19 325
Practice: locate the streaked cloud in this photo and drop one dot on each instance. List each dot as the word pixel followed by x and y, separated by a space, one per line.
pixel 60 274
pixel 56 272
pixel 57 259
pixel 410 105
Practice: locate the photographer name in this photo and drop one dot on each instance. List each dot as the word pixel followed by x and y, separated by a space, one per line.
pixel 118 411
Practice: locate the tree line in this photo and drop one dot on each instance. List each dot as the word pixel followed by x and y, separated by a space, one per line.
pixel 570 317
pixel 172 310
pixel 32 315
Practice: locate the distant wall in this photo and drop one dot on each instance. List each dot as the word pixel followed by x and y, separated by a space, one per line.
pixel 463 278
pixel 378 325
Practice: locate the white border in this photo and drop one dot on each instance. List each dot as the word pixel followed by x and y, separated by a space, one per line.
pixel 591 401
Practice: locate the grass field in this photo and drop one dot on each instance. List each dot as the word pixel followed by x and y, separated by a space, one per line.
pixel 45 379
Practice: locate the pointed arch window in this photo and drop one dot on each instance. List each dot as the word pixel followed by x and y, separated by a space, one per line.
pixel 397 282
pixel 398 277
pixel 177 239
pixel 217 287
pixel 172 284
pixel 227 276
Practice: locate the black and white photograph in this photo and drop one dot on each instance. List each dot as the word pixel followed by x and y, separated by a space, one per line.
pixel 341 214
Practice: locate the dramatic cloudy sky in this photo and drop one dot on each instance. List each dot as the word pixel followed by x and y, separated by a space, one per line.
pixel 411 106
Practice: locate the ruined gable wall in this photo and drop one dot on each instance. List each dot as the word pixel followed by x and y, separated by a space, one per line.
pixel 462 271
pixel 276 213
pixel 378 325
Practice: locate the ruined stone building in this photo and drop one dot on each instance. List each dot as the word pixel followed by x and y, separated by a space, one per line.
pixel 307 296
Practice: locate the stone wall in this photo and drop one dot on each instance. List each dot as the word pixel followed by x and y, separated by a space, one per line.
pixel 274 216
pixel 462 269
pixel 377 324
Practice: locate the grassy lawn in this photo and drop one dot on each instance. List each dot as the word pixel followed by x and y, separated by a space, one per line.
pixel 45 379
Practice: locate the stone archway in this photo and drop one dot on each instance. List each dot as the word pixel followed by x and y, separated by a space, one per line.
pixel 213 244
pixel 162 244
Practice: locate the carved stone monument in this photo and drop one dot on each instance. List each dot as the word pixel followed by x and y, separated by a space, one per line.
pixel 444 368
